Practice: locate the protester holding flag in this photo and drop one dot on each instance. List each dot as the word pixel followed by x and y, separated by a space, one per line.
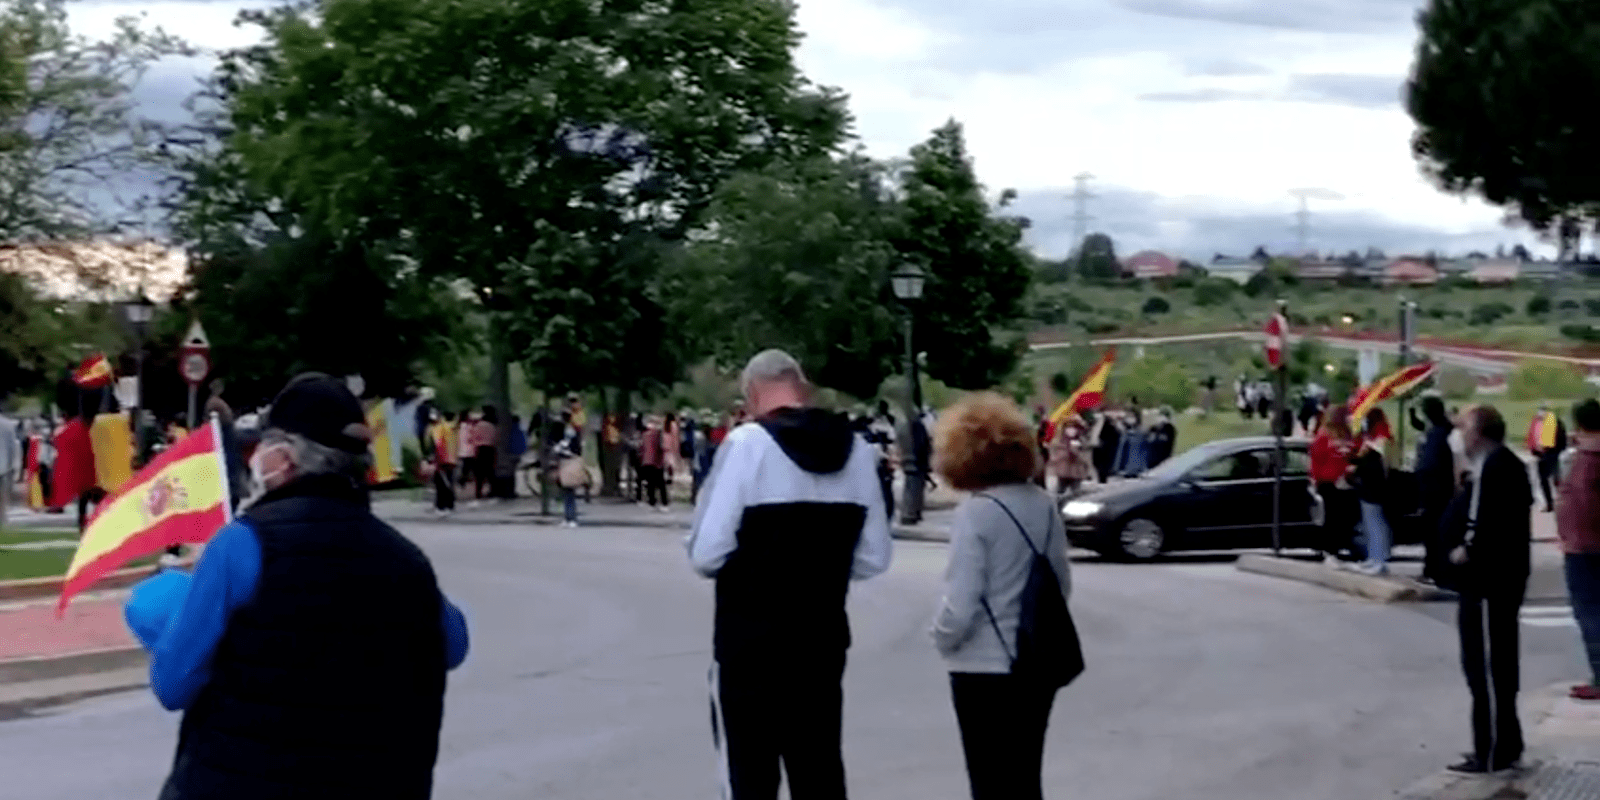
pixel 306 586
pixel 1330 470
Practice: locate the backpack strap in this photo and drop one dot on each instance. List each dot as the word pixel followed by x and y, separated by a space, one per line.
pixel 993 623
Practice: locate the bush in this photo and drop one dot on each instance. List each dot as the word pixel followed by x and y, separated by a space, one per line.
pixel 1583 333
pixel 1569 305
pixel 1214 291
pixel 1538 305
pixel 1542 379
pixel 410 465
pixel 1156 305
pixel 1487 313
pixel 1099 326
pixel 1156 380
pixel 1592 306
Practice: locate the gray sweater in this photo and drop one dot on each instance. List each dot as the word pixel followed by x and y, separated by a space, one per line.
pixel 989 559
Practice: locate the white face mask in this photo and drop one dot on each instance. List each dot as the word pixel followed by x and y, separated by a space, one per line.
pixel 257 476
pixel 1457 444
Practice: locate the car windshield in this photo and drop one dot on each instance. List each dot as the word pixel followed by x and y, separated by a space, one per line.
pixel 1183 464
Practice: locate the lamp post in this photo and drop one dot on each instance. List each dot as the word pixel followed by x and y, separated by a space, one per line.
pixel 138 311
pixel 907 282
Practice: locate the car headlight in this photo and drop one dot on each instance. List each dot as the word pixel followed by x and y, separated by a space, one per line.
pixel 1080 509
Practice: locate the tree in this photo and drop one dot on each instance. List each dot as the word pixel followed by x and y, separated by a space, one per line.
pixel 69 134
pixel 1155 380
pixel 977 269
pixel 1491 92
pixel 523 147
pixel 1097 257
pixel 1538 305
pixel 30 350
pixel 798 257
pixel 1214 291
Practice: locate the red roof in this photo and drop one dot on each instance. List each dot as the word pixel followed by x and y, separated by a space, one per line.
pixel 1149 264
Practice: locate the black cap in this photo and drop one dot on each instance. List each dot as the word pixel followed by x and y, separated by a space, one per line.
pixel 322 409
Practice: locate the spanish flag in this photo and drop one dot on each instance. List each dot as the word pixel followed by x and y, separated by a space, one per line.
pixel 111 437
pixel 31 466
pixel 1089 394
pixel 181 497
pixel 94 373
pixel 385 467
pixel 1392 385
pixel 74 470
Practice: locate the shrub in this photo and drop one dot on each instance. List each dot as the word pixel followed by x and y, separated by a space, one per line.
pixel 1156 305
pixel 1214 291
pixel 1592 306
pixel 1569 305
pixel 1583 333
pixel 1487 313
pixel 1543 379
pixel 1538 305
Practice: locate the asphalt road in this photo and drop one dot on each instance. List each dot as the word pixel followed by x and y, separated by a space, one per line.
pixel 590 648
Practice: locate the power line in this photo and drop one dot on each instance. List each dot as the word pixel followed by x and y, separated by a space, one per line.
pixel 1080 219
pixel 1303 216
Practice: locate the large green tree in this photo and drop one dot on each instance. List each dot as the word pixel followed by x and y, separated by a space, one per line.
pixel 1097 257
pixel 69 132
pixel 977 269
pixel 1498 91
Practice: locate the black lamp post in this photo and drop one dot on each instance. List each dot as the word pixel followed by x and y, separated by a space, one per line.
pixel 138 311
pixel 907 282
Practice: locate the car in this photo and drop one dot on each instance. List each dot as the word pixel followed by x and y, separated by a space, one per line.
pixel 1216 496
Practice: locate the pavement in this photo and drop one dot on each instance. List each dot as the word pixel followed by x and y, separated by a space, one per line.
pixel 587 679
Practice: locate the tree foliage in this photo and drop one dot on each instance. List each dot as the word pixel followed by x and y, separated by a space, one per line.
pixel 69 134
pixel 977 269
pixel 1097 257
pixel 1494 92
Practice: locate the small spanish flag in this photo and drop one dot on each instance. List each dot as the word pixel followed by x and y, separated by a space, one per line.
pixel 1089 394
pixel 31 466
pixel 1392 385
pixel 180 497
pixel 94 373
pixel 385 466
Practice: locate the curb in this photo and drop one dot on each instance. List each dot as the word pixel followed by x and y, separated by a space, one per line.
pixel 39 668
pixel 1382 589
pixel 34 588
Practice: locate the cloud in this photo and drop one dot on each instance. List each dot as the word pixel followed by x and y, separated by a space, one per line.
pixel 1204 96
pixel 1225 68
pixel 1364 91
pixel 1330 16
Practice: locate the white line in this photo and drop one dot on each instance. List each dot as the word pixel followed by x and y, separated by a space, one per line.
pixel 1551 622
pixel 1547 611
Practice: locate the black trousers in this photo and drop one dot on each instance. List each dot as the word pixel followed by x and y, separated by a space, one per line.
pixel 1435 558
pixel 655 485
pixel 444 487
pixel 483 469
pixel 886 486
pixel 1003 720
pixel 764 714
pixel 1490 658
pixel 1548 462
pixel 1342 511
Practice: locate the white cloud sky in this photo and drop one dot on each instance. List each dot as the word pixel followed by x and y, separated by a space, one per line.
pixel 1197 117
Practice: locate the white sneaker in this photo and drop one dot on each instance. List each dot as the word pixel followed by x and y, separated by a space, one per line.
pixel 1332 561
pixel 571 523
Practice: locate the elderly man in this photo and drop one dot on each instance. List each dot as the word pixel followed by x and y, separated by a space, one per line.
pixel 1488 535
pixel 309 650
pixel 791 513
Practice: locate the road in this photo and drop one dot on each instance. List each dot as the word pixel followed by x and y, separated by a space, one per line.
pixel 587 680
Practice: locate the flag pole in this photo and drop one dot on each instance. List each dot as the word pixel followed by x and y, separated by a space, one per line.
pixel 1280 389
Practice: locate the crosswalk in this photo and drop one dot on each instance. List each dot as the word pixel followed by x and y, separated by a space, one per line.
pixel 1548 617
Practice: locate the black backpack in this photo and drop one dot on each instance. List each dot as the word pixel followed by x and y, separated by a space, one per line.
pixel 1048 650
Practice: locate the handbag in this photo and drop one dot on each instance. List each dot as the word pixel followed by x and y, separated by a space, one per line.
pixel 572 473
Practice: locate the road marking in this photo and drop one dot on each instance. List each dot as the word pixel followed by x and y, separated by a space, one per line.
pixel 1548 617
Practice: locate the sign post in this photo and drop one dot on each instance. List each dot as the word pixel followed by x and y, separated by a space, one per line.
pixel 1408 340
pixel 1277 337
pixel 194 361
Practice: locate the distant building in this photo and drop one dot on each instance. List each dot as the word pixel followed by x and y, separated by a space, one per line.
pixel 1238 270
pixel 1149 264
pixel 1410 271
pixel 1321 270
pixel 1495 270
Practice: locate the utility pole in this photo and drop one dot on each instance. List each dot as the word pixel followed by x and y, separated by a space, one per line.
pixel 1081 218
pixel 1408 339
pixel 1302 225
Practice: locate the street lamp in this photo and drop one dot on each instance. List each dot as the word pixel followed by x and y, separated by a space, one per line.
pixel 138 311
pixel 907 282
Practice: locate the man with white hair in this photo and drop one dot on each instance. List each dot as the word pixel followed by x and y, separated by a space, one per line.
pixel 791 513
pixel 309 649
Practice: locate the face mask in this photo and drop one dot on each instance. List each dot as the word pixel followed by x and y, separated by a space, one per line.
pixel 260 478
pixel 1457 446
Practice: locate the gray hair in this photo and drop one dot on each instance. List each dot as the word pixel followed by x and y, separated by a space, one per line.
pixel 770 366
pixel 311 458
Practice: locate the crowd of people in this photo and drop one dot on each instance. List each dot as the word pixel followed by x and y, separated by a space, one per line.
pixel 1100 445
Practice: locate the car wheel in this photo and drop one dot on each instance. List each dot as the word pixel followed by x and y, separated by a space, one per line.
pixel 1142 539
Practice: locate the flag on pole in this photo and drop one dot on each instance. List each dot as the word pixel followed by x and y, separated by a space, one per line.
pixel 1090 393
pixel 31 464
pixel 1392 385
pixel 95 372
pixel 181 497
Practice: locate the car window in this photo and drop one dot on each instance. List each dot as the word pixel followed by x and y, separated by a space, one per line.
pixel 1296 462
pixel 1234 467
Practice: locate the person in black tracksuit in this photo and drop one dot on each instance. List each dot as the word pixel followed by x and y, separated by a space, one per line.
pixel 791 513
pixel 1488 533
pixel 1436 481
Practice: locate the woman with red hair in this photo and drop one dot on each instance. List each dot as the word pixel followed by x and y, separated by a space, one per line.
pixel 1330 468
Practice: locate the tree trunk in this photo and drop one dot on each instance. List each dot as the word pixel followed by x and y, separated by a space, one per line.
pixel 505 468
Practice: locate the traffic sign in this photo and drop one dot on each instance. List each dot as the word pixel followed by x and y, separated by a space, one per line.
pixel 194 357
pixel 1277 330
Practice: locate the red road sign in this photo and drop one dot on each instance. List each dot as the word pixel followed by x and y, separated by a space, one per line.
pixel 194 357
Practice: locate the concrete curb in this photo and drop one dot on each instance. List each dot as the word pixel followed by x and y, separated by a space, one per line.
pixel 1383 589
pixel 22 699
pixel 920 533
pixel 39 668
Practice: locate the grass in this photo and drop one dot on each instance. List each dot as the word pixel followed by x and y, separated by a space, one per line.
pixel 19 564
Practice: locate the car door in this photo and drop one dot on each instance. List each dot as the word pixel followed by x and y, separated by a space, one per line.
pixel 1231 500
pixel 1301 506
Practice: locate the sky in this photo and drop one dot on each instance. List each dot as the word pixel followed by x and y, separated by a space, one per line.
pixel 1198 119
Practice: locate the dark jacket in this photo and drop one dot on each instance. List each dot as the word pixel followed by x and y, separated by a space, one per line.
pixel 329 682
pixel 1372 477
pixel 1436 467
pixel 1500 540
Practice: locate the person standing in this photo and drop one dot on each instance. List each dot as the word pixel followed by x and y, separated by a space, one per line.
pixel 467 447
pixel 309 649
pixel 1330 454
pixel 652 464
pixel 917 468
pixel 1547 438
pixel 985 447
pixel 880 432
pixel 1436 481
pixel 1163 438
pixel 1371 472
pixel 1107 441
pixel 442 453
pixel 1489 532
pixel 704 453
pixel 484 433
pixel 791 514
pixel 571 473
pixel 1578 525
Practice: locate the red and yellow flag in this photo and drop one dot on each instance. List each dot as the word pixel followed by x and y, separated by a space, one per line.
pixel 73 473
pixel 181 497
pixel 1392 385
pixel 1090 393
pixel 95 372
pixel 31 465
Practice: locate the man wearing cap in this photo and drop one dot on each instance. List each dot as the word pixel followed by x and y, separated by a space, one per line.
pixel 309 649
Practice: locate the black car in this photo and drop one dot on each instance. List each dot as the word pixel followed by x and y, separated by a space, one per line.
pixel 1217 496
